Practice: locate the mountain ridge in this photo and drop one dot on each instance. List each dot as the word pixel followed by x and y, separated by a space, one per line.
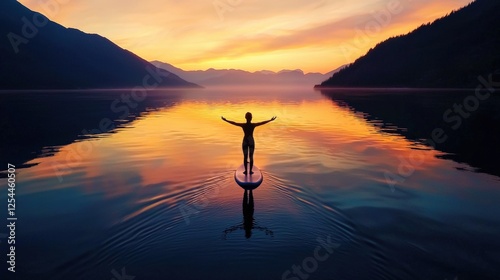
pixel 37 53
pixel 451 52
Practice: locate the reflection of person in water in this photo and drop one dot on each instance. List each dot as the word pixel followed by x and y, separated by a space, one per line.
pixel 248 213
pixel 248 144
pixel 248 221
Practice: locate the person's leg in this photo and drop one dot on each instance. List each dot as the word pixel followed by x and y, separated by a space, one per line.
pixel 251 149
pixel 245 156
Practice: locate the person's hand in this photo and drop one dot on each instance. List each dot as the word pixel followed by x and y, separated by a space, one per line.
pixel 273 118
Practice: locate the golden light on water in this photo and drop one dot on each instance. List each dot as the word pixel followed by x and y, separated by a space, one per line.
pixel 189 140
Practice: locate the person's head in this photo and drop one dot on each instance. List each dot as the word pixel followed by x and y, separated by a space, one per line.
pixel 248 116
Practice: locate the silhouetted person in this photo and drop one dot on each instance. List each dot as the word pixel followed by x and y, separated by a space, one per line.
pixel 248 213
pixel 248 144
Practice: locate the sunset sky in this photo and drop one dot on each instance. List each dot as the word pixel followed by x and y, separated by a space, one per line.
pixel 313 35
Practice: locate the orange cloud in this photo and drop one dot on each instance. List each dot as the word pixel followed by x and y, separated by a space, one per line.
pixel 316 36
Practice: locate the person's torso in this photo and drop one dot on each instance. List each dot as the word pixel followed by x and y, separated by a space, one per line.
pixel 248 129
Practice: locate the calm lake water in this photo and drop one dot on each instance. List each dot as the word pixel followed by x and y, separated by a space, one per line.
pixel 347 193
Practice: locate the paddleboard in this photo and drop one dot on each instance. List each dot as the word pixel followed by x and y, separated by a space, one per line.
pixel 248 181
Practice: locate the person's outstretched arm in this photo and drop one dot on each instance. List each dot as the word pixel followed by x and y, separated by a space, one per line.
pixel 264 122
pixel 231 122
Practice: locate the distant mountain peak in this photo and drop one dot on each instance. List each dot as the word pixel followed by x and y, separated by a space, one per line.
pixel 288 71
pixel 265 72
pixel 211 76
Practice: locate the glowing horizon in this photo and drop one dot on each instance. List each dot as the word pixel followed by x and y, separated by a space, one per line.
pixel 250 35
